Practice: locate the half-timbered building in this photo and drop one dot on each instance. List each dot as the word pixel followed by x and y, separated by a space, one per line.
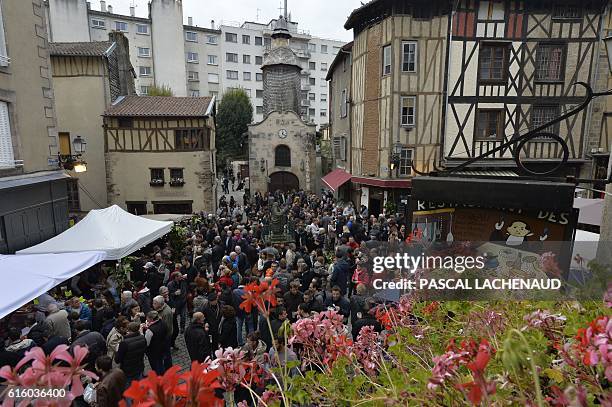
pixel 512 67
pixel 160 154
pixel 397 95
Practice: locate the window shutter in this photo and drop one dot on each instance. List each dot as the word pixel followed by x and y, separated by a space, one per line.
pixel 4 59
pixel 7 159
pixel 343 148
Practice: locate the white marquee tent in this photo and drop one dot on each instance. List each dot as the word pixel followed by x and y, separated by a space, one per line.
pixel 28 276
pixel 112 230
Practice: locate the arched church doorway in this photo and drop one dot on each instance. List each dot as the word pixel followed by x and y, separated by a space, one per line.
pixel 284 181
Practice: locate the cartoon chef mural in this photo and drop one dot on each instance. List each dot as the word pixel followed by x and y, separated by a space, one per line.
pixel 516 234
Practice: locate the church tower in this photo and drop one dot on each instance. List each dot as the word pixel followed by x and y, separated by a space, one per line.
pixel 281 73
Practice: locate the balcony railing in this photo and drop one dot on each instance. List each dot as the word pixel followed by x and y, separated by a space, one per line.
pixel 157 182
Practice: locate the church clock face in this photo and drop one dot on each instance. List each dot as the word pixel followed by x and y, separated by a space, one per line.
pixel 282 133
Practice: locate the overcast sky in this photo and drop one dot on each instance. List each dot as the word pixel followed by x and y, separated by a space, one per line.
pixel 323 18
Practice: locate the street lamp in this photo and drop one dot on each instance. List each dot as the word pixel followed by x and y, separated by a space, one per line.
pixel 395 157
pixel 73 162
pixel 79 145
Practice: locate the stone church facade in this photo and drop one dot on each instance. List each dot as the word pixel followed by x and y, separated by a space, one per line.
pixel 282 147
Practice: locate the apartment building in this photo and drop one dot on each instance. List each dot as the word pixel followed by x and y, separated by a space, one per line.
pixel 33 190
pixel 216 58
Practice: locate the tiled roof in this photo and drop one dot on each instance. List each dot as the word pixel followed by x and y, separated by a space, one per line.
pixel 84 49
pixel 159 106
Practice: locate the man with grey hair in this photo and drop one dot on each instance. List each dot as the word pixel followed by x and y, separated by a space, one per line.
pixel 57 321
pixel 243 262
pixel 165 316
pixel 157 342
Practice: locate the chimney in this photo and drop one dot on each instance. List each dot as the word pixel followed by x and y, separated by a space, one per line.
pixel 110 9
pixel 88 5
pixel 132 11
pixel 212 24
pixel 103 6
pixel 190 21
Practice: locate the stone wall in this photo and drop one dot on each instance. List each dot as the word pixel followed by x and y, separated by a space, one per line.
pixel 264 137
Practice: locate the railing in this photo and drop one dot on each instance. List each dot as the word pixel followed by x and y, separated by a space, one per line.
pixel 4 60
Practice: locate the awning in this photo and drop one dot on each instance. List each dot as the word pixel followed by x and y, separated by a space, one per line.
pixel 591 210
pixel 336 179
pixel 383 183
pixel 37 274
pixel 111 230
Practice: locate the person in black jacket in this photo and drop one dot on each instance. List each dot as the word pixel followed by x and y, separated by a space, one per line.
pixel 197 338
pixel 95 343
pixel 212 312
pixel 228 336
pixel 156 337
pixel 340 303
pixel 130 355
pixel 341 273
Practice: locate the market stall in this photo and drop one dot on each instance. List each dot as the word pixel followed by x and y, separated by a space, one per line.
pixel 112 230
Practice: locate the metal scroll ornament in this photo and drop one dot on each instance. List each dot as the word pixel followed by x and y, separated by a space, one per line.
pixel 519 141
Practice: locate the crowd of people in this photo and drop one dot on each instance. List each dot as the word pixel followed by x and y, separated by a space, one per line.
pixel 195 287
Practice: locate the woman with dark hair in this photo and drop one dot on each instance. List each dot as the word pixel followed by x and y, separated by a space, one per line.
pixel 227 328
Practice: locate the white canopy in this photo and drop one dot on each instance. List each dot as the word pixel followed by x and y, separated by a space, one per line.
pixel 112 230
pixel 27 277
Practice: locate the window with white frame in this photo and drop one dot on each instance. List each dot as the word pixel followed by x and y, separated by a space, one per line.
pixel 259 93
pixel 212 60
pixel 324 49
pixel 246 39
pixel 193 76
pixel 121 26
pixel 97 23
pixel 246 76
pixel 259 41
pixel 312 47
pixel 324 66
pixel 405 162
pixel 323 97
pixel 194 93
pixel 144 70
pixel 259 110
pixel 247 91
pixel 323 83
pixel 231 37
pixel 409 56
pixel 4 59
pixel 343 103
pixel 213 93
pixel 312 81
pixel 144 52
pixel 312 66
pixel 408 111
pixel 231 57
pixel 144 90
pixel 213 78
pixel 267 42
pixel 323 113
pixel 312 96
pixel 192 57
pixel 246 59
pixel 386 60
pixel 259 77
pixel 7 157
pixel 211 39
pixel 232 75
pixel 142 29
pixel 312 112
pixel 258 60
pixel 191 36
